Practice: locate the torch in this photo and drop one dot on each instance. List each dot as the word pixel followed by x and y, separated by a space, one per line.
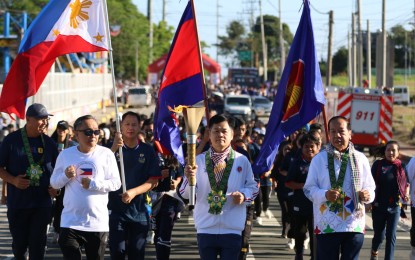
pixel 192 117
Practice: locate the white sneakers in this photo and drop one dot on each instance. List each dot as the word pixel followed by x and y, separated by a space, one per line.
pixel 268 214
pixel 150 237
pixel 291 243
pixel 259 220
pixel 306 243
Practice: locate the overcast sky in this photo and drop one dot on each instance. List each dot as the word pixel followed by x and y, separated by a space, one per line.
pixel 397 12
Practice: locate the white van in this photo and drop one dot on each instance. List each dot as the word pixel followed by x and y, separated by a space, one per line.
pixel 139 96
pixel 401 95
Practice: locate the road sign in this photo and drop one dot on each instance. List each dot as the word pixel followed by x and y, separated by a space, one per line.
pixel 244 55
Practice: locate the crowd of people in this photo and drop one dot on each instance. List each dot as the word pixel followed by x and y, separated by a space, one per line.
pixel 100 187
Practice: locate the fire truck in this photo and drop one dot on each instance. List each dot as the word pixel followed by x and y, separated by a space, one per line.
pixel 369 111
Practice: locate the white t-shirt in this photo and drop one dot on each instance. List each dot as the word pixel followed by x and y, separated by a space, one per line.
pixel 410 168
pixel 86 209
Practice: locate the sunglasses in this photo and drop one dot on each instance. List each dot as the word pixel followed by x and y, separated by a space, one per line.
pixel 90 132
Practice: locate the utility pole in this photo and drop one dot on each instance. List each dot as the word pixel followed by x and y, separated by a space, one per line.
pixel 349 59
pixel 136 64
pixel 281 39
pixel 150 35
pixel 359 44
pixel 384 44
pixel 369 56
pixel 164 11
pixel 217 30
pixel 264 47
pixel 329 56
pixel 353 50
pixel 406 58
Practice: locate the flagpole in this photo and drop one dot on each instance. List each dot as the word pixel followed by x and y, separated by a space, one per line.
pixel 323 109
pixel 205 101
pixel 117 119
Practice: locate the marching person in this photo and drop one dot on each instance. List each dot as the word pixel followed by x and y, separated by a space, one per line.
pixel 27 158
pixel 302 207
pixel 339 181
pixel 129 219
pixel 225 183
pixel 88 172
pixel 168 205
pixel 391 189
pixel 411 177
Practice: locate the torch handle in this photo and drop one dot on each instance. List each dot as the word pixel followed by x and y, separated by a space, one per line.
pixel 191 157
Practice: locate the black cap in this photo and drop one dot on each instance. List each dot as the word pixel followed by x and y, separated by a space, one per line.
pixel 63 125
pixel 37 110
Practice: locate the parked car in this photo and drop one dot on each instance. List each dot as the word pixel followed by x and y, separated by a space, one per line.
pixel 261 106
pixel 401 95
pixel 238 105
pixel 139 96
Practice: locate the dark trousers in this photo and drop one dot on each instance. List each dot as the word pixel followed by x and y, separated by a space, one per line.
pixel 246 233
pixel 57 211
pixel 303 223
pixel 284 213
pixel 262 199
pixel 329 246
pixel 71 240
pixel 127 239
pixel 412 231
pixel 385 223
pixel 28 228
pixel 165 220
pixel 227 246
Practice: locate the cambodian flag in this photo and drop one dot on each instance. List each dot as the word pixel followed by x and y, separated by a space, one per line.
pixel 182 84
pixel 85 171
pixel 62 27
pixel 300 94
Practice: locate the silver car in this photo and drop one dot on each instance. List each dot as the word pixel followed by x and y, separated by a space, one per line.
pixel 261 106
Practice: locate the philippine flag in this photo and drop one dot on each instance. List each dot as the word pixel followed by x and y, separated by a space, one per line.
pixel 62 27
pixel 182 84
pixel 85 171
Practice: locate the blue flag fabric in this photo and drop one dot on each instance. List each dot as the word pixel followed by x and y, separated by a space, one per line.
pixel 300 94
pixel 182 85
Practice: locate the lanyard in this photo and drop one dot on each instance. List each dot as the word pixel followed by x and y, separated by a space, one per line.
pixel 27 148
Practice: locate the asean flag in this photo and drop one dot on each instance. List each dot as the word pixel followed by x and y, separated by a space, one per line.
pixel 300 96
pixel 182 84
pixel 62 27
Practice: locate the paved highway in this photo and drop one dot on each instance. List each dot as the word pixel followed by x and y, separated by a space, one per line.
pixel 265 241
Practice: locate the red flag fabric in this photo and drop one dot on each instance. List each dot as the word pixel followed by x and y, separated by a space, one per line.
pixel 62 27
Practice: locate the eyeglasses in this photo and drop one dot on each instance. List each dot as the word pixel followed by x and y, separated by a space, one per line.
pixel 90 132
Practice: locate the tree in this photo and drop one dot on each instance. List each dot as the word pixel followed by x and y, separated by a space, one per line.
pixel 397 34
pixel 340 61
pixel 237 40
pixel 229 45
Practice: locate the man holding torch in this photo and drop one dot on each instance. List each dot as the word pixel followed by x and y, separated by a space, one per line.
pixel 224 185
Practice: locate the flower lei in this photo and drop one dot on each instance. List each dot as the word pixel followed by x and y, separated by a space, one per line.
pixel 337 205
pixel 217 196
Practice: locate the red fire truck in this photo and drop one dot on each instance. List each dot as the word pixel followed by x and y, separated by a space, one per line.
pixel 369 111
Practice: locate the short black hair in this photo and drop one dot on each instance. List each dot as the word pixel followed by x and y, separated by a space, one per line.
pixel 217 119
pixel 131 113
pixel 239 122
pixel 335 118
pixel 80 120
pixel 148 121
pixel 308 138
